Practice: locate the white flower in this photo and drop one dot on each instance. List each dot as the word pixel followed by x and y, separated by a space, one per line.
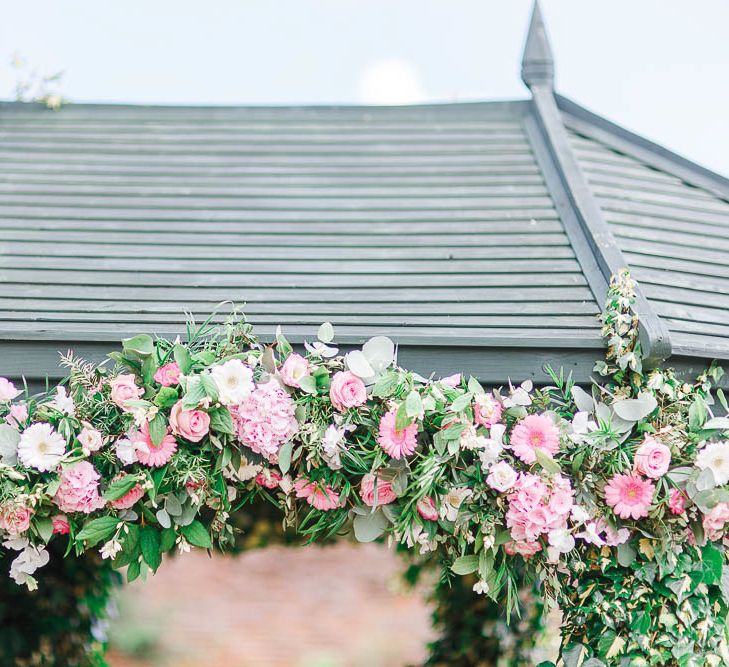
pixel 501 476
pixel 470 439
pixel 125 450
pixel 63 402
pixel 579 514
pixel 519 396
pixel 591 534
pixel 110 549
pixel 26 563
pixel 320 349
pixel 561 539
pixel 41 447
pixel 452 501
pixel 332 444
pixel 183 546
pixel 91 440
pixel 234 381
pixel 715 456
pixel 488 541
pixel 247 470
pixel 492 447
pixel 481 587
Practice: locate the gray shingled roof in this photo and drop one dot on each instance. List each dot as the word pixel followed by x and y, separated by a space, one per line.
pixel 479 235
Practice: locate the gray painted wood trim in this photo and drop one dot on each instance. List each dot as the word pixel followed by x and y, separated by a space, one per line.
pixel 655 339
pixel 617 137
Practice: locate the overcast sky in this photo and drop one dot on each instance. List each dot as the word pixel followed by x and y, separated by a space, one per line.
pixel 658 67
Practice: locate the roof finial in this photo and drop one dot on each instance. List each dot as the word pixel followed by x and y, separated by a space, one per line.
pixel 537 63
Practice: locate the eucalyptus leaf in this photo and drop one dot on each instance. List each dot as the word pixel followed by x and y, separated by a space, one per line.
pixel 583 400
pixel 718 423
pixel 413 404
pixel 368 527
pixel 358 364
pixel 326 333
pixel 635 409
pixel 173 505
pixel 379 353
pixel 626 554
pixel 284 456
pixel 547 462
pixel 9 439
pixel 163 518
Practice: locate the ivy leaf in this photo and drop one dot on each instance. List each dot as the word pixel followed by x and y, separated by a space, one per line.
pixel 96 530
pixel 713 562
pixel 465 564
pixel 573 655
pixel 197 535
pixel 119 487
pixel 369 526
pixel 158 429
pixel 141 345
pixel 183 358
pixel 284 456
pixel 149 542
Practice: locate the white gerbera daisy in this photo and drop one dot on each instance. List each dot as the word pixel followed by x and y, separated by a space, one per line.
pixel 41 447
pixel 234 381
pixel 715 456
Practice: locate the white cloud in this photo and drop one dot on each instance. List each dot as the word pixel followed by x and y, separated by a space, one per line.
pixel 390 82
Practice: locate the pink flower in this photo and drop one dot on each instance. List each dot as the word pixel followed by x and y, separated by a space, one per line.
pixel 426 508
pixel 124 388
pixel 60 524
pixel 347 391
pixel 79 489
pixel 266 419
pixel 525 549
pixel 324 499
pixel 18 414
pixel 397 443
pixel 630 496
pixel 193 425
pixel 385 494
pixel 7 390
pixel 486 410
pixel 15 519
pixel 714 521
pixel 652 458
pixel 150 454
pixel 451 381
pixel 268 479
pixel 534 432
pixel 536 508
pixel 90 438
pixel 168 375
pixel 130 498
pixel 294 368
pixel 677 501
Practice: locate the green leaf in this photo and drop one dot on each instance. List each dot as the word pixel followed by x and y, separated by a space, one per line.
pixel 635 409
pixel 284 456
pixel 453 432
pixel 284 347
pixel 386 384
pixel 369 526
pixel 465 564
pixel 194 393
pixel 713 561
pixel 149 540
pixel 142 345
pixel 221 421
pixel 197 535
pixel 119 487
pixel 166 397
pixel 167 539
pixel 158 429
pixel 402 420
pixel 717 423
pixel 9 439
pixel 96 530
pixel 44 527
pixel 462 402
pixel 474 386
pixel 209 387
pixel 149 368
pixel 626 554
pixel 183 358
pixel 133 570
pixel 547 462
pixel 573 655
pixel 308 384
pixel 413 404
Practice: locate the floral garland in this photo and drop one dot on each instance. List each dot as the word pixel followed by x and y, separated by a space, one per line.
pixel 615 499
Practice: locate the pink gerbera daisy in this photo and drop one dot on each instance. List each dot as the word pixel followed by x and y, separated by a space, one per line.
pixel 534 432
pixel 397 443
pixel 630 495
pixel 154 455
pixel 323 498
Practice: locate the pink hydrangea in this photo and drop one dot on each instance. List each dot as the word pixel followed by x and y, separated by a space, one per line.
pixel 427 509
pixel 193 425
pixel 150 454
pixel 294 368
pixel 268 479
pixel 347 391
pixel 629 495
pixel 130 498
pixel 168 375
pixel 487 410
pixel 322 498
pixel 15 519
pixel 677 501
pixel 536 508
pixel 397 443
pixel 525 549
pixel 60 524
pixel 652 458
pixel 715 520
pixel 79 489
pixel 385 494
pixel 534 432
pixel 266 419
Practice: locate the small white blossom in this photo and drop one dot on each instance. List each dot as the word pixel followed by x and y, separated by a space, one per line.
pixel 481 587
pixel 519 396
pixel 452 501
pixel 332 444
pixel 561 539
pixel 579 514
pixel 110 549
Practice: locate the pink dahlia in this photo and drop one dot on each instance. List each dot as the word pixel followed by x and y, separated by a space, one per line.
pixel 677 501
pixel 630 495
pixel 397 443
pixel 79 489
pixel 385 494
pixel 150 454
pixel 266 419
pixel 130 498
pixel 322 498
pixel 534 432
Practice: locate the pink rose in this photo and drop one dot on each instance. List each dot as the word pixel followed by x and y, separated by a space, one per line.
pixel 79 489
pixel 90 438
pixel 60 524
pixel 15 519
pixel 426 508
pixel 486 410
pixel 677 501
pixel 652 458
pixel 7 390
pixel 130 498
pixel 124 388
pixel 168 374
pixel 193 425
pixel 714 521
pixel 385 494
pixel 294 368
pixel 347 391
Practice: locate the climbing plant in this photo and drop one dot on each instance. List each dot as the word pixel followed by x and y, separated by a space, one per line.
pixel 612 499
